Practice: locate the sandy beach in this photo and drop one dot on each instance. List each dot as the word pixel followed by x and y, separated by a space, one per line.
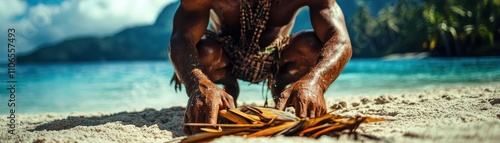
pixel 458 114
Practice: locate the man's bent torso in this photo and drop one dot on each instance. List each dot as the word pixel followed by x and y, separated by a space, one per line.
pixel 250 34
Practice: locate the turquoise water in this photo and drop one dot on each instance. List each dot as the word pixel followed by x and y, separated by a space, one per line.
pixel 120 86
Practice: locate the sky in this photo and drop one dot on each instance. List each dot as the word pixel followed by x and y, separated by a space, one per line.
pixel 39 22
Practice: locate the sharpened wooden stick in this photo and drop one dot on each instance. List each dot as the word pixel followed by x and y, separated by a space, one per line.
pixel 272 130
pixel 224 125
pixel 204 137
pixel 252 118
pixel 311 129
pixel 210 130
pixel 233 117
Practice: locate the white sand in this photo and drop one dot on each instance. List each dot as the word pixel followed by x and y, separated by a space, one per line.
pixel 461 114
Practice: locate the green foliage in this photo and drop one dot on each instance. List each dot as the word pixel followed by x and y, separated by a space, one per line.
pixel 441 27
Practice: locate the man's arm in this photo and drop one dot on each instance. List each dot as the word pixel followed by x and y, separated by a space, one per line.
pixel 329 25
pixel 306 94
pixel 190 23
pixel 205 97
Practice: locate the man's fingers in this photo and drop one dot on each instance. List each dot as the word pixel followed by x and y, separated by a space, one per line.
pixel 211 115
pixel 283 100
pixel 229 101
pixel 321 111
pixel 225 103
pixel 200 118
pixel 321 107
pixel 187 129
pixel 192 116
pixel 312 112
pixel 301 109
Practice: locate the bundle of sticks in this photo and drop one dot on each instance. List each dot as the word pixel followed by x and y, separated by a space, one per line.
pixel 259 122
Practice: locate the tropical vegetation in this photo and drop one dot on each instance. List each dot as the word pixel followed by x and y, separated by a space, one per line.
pixel 440 27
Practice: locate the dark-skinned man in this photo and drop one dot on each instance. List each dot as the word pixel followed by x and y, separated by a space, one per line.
pixel 250 40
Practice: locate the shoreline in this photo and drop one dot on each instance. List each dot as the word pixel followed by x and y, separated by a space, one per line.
pixel 458 114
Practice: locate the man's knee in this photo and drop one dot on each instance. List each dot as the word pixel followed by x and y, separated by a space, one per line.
pixel 212 59
pixel 208 48
pixel 304 44
pixel 306 39
pixel 211 53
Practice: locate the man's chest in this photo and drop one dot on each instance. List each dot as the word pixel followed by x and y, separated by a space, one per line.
pixel 280 12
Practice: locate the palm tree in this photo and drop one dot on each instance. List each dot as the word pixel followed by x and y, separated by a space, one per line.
pixel 410 36
pixel 442 19
pixel 448 28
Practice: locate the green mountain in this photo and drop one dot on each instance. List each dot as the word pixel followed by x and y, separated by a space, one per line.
pixel 147 42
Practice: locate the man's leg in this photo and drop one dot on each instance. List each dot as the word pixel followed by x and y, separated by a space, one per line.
pixel 297 59
pixel 215 65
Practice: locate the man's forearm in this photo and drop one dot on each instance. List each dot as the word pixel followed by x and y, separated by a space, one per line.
pixel 329 25
pixel 184 58
pixel 333 58
pixel 189 25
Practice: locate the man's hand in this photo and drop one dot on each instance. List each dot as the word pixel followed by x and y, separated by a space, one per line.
pixel 305 97
pixel 204 104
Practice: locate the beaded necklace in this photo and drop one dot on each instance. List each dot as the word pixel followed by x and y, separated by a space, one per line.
pixel 255 21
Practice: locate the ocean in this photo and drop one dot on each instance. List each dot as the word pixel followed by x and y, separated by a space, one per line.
pixel 127 86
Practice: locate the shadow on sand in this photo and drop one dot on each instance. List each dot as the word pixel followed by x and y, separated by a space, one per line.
pixel 170 119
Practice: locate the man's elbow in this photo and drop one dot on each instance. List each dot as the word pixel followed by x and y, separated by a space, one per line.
pixel 177 38
pixel 347 48
pixel 175 44
pixel 343 46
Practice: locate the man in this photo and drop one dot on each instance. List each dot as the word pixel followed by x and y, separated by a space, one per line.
pixel 250 40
